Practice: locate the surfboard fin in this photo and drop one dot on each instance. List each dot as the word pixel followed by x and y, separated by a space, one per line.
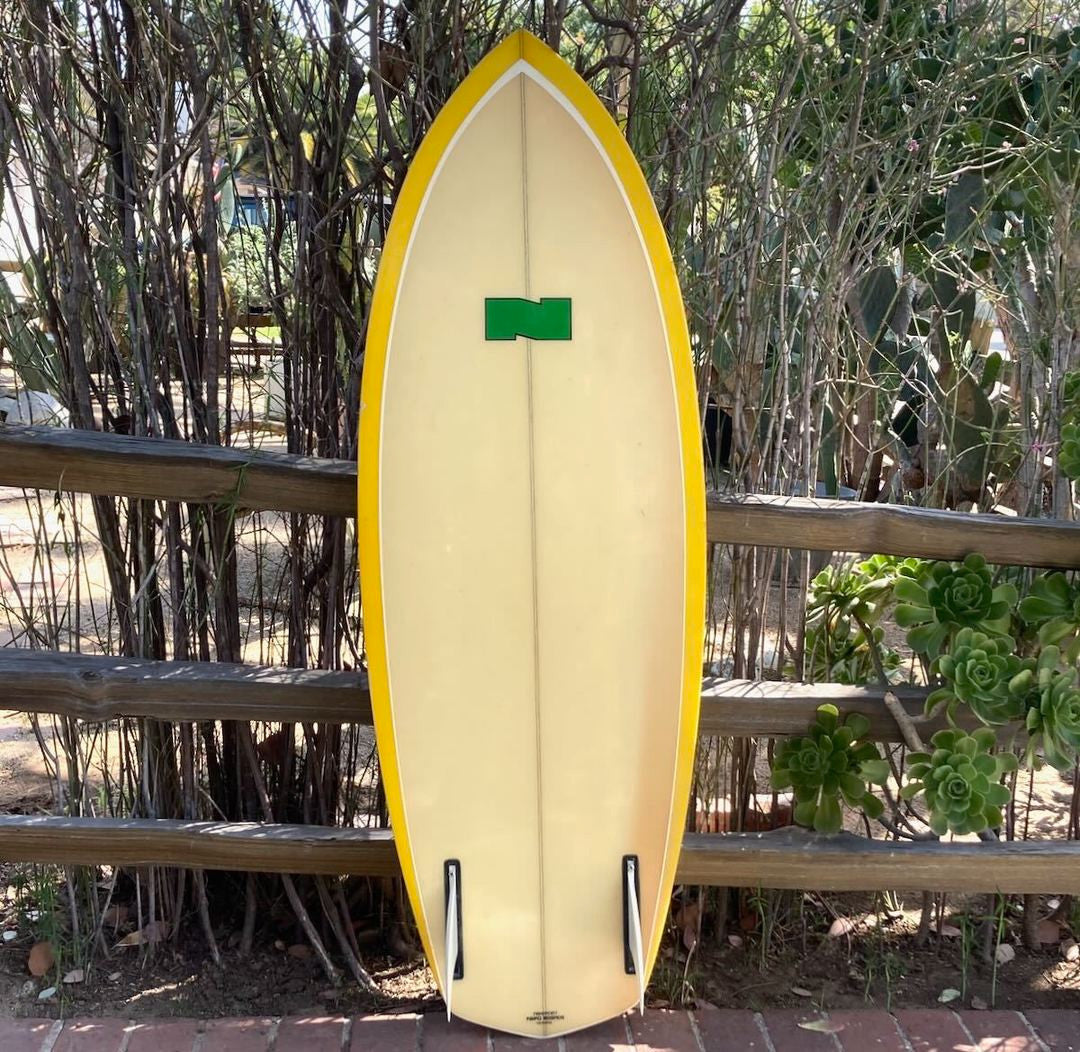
pixel 634 959
pixel 455 964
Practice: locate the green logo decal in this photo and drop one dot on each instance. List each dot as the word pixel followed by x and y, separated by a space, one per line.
pixel 507 318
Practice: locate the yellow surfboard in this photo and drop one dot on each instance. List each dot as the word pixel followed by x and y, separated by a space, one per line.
pixel 532 545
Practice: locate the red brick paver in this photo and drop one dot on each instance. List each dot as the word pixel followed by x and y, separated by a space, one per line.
pixel 514 1043
pixel 311 1034
pixel 932 1030
pixel 1059 1028
pixel 662 1031
pixel 237 1035
pixel 868 1032
pixel 999 1032
pixel 708 1030
pixel 24 1035
pixel 91 1035
pixel 729 1028
pixel 788 1036
pixel 385 1033
pixel 165 1035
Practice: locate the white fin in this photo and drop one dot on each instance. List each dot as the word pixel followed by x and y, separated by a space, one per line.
pixel 635 932
pixel 451 936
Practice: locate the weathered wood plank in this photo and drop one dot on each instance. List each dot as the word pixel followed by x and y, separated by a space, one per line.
pixel 95 462
pixel 743 708
pixel 101 688
pixel 98 688
pixel 155 468
pixel 794 858
pixel 890 529
pixel 241 846
pixel 788 858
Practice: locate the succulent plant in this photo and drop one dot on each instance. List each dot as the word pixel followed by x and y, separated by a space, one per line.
pixel 960 781
pixel 837 652
pixel 1053 715
pixel 861 588
pixel 834 760
pixel 937 603
pixel 1054 605
pixel 840 597
pixel 979 671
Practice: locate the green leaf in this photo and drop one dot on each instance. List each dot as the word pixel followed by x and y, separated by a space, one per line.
pixel 828 716
pixel 909 591
pixel 907 615
pixel 927 639
pixel 877 297
pixel 858 724
pixel 829 818
pixel 853 787
pixel 780 778
pixel 872 807
pixel 875 771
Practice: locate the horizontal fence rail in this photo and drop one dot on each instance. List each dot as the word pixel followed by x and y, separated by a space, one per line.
pixel 160 469
pixel 787 858
pixel 243 846
pixel 891 529
pixel 104 688
pixel 102 463
pixel 793 858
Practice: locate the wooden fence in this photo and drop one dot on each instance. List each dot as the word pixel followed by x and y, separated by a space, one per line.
pixel 99 688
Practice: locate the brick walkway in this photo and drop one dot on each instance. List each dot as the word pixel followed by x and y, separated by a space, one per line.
pixel 713 1030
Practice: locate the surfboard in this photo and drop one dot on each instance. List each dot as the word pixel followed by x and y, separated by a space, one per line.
pixel 532 550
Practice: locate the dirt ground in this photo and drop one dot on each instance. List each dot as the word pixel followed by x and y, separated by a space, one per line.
pixel 782 949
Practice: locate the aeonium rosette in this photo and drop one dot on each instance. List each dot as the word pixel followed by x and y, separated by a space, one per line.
pixel 961 781
pixel 831 762
pixel 979 671
pixel 1053 713
pixel 1053 604
pixel 938 603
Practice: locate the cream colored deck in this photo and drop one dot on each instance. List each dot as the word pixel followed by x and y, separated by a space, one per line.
pixel 536 531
